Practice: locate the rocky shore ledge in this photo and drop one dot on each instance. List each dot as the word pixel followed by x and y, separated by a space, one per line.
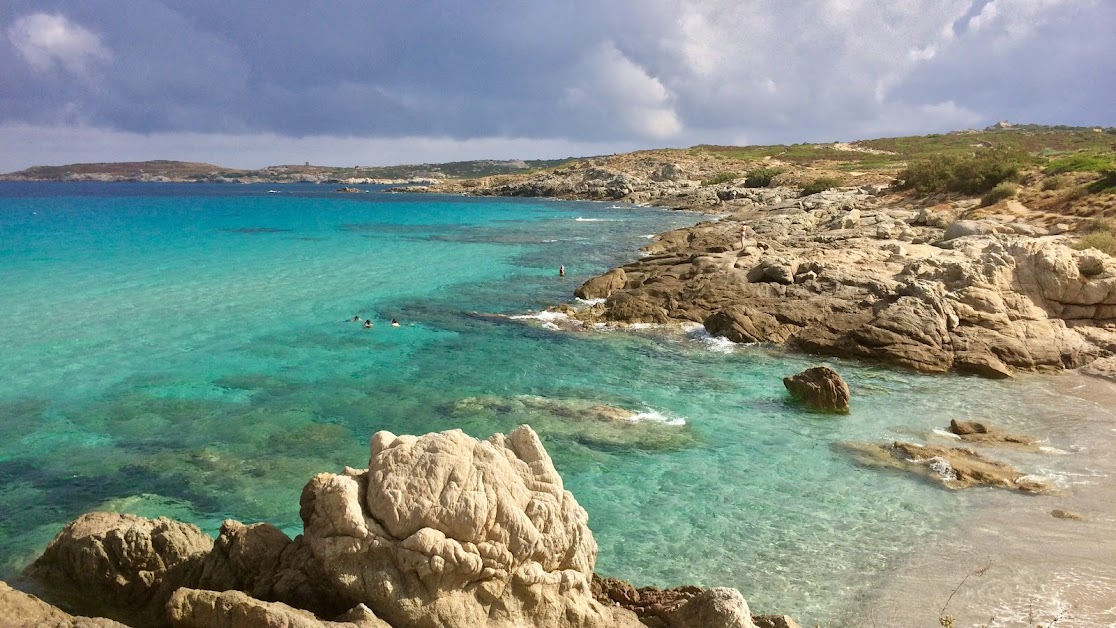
pixel 440 530
pixel 851 272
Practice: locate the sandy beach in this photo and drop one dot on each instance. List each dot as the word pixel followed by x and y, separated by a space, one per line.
pixel 1013 564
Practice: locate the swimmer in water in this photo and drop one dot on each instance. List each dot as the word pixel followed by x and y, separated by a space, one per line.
pixel 561 271
pixel 356 319
pixel 394 323
pixel 368 324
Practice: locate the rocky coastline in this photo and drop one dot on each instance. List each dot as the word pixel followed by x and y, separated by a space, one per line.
pixel 934 285
pixel 440 530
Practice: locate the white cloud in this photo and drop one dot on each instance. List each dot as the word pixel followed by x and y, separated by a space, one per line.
pixel 612 87
pixel 44 40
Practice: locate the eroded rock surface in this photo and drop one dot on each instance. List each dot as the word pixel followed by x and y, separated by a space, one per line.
pixel 976 432
pixel 193 608
pixel 441 530
pixel 20 610
pixel 684 607
pixel 953 467
pixel 122 566
pixel 917 289
pixel 820 388
pixel 445 530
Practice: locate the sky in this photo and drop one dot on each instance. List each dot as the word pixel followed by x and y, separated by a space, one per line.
pixel 374 82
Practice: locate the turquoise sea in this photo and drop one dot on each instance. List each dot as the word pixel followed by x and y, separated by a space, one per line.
pixel 185 350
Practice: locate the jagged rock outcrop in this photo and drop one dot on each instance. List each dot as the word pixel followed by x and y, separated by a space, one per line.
pixel 984 297
pixel 20 610
pixel 953 467
pixel 603 286
pixel 122 566
pixel 820 388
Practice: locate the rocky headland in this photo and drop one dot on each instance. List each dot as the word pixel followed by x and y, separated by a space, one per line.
pixel 440 530
pixel 931 283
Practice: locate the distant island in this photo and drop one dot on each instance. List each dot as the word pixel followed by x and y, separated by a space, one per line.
pixel 166 171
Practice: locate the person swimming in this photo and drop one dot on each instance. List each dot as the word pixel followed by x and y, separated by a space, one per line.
pixel 394 323
pixel 561 271
pixel 368 324
pixel 355 319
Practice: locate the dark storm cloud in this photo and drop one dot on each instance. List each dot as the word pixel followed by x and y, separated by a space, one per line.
pixel 621 73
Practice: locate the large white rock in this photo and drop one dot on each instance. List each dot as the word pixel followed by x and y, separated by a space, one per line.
pixel 446 530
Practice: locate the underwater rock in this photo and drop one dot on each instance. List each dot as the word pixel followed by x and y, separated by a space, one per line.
pixel 20 610
pixel 975 432
pixel 820 388
pixel 1072 515
pixel 588 422
pixel 953 467
pixel 121 566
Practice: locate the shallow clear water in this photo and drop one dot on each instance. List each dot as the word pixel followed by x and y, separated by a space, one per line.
pixel 184 350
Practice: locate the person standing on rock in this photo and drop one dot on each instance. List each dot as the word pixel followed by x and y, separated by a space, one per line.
pixel 743 232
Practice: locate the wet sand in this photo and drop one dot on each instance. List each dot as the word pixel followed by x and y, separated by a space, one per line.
pixel 1021 566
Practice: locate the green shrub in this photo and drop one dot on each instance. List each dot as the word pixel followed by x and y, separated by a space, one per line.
pixel 1100 234
pixel 1106 183
pixel 1104 241
pixel 761 177
pixel 999 193
pixel 721 177
pixel 821 184
pixel 967 175
pixel 1054 183
pixel 1081 162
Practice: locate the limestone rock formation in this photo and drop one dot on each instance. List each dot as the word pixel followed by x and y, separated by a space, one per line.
pixel 820 388
pixel 193 608
pixel 122 566
pixel 445 530
pixel 20 610
pixel 953 467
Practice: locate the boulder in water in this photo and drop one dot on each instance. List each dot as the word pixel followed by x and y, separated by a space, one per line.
pixel 820 388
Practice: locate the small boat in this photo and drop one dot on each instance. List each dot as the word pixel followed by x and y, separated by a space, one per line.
pixel 273 192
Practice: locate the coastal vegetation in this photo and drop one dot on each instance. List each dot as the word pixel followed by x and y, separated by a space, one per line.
pixel 1002 191
pixel 720 177
pixel 972 174
pixel 821 184
pixel 1099 234
pixel 761 177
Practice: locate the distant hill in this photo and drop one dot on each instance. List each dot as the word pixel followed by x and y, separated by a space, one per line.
pixel 164 170
pixel 883 155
